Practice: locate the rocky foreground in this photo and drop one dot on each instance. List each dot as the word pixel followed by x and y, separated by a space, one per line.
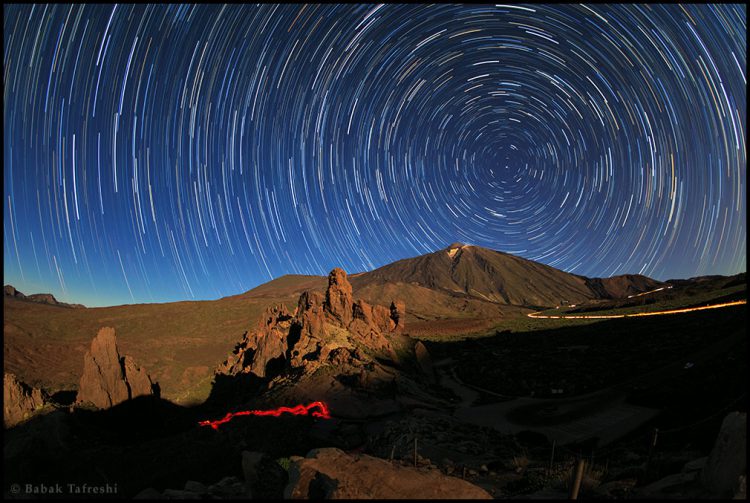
pixel 392 433
pixel 333 348
pixel 328 473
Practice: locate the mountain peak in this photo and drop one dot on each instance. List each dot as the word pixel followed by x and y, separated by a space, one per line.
pixel 500 278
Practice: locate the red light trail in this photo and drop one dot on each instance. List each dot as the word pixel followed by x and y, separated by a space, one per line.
pixel 299 410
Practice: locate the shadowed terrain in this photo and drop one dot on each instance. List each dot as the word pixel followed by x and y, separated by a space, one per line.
pixel 485 397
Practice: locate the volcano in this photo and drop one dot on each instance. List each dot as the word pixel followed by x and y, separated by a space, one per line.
pixel 464 278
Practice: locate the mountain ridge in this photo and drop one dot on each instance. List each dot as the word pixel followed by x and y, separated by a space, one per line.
pixel 39 298
pixel 468 272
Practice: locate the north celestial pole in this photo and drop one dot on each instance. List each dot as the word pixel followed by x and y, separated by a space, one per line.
pixel 172 152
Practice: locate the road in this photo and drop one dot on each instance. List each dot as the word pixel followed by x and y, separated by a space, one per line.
pixel 634 315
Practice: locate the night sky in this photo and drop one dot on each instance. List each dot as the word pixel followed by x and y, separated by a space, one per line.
pixel 161 153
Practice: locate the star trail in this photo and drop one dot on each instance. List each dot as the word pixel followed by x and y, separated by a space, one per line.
pixel 155 153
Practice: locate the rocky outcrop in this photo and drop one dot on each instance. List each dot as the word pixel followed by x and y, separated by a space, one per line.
pixel 108 378
pixel 19 400
pixel 319 330
pixel 338 304
pixel 331 473
pixel 10 291
pixel 40 298
pixel 728 458
pixel 267 343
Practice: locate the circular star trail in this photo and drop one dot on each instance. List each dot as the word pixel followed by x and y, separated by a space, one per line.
pixel 158 152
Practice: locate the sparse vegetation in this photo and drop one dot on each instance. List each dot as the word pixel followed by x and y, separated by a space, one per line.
pixel 285 463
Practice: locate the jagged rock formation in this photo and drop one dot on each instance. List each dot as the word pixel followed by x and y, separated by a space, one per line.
pixel 333 328
pixel 261 346
pixel 19 400
pixel 109 378
pixel 338 304
pixel 333 474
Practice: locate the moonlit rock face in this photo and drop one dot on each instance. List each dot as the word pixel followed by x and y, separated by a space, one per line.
pixel 19 400
pixel 339 301
pixel 309 336
pixel 103 380
pixel 108 378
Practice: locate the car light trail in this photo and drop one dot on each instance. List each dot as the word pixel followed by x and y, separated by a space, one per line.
pixel 654 313
pixel 315 409
pixel 650 292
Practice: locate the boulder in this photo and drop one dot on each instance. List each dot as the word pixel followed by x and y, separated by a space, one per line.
pixel 108 378
pixel 727 460
pixel 338 304
pixel 19 400
pixel 332 474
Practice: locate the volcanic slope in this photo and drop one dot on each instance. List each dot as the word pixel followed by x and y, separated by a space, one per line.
pixel 499 278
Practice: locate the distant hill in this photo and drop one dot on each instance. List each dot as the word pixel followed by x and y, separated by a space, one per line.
pixel 41 298
pixel 289 285
pixel 710 282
